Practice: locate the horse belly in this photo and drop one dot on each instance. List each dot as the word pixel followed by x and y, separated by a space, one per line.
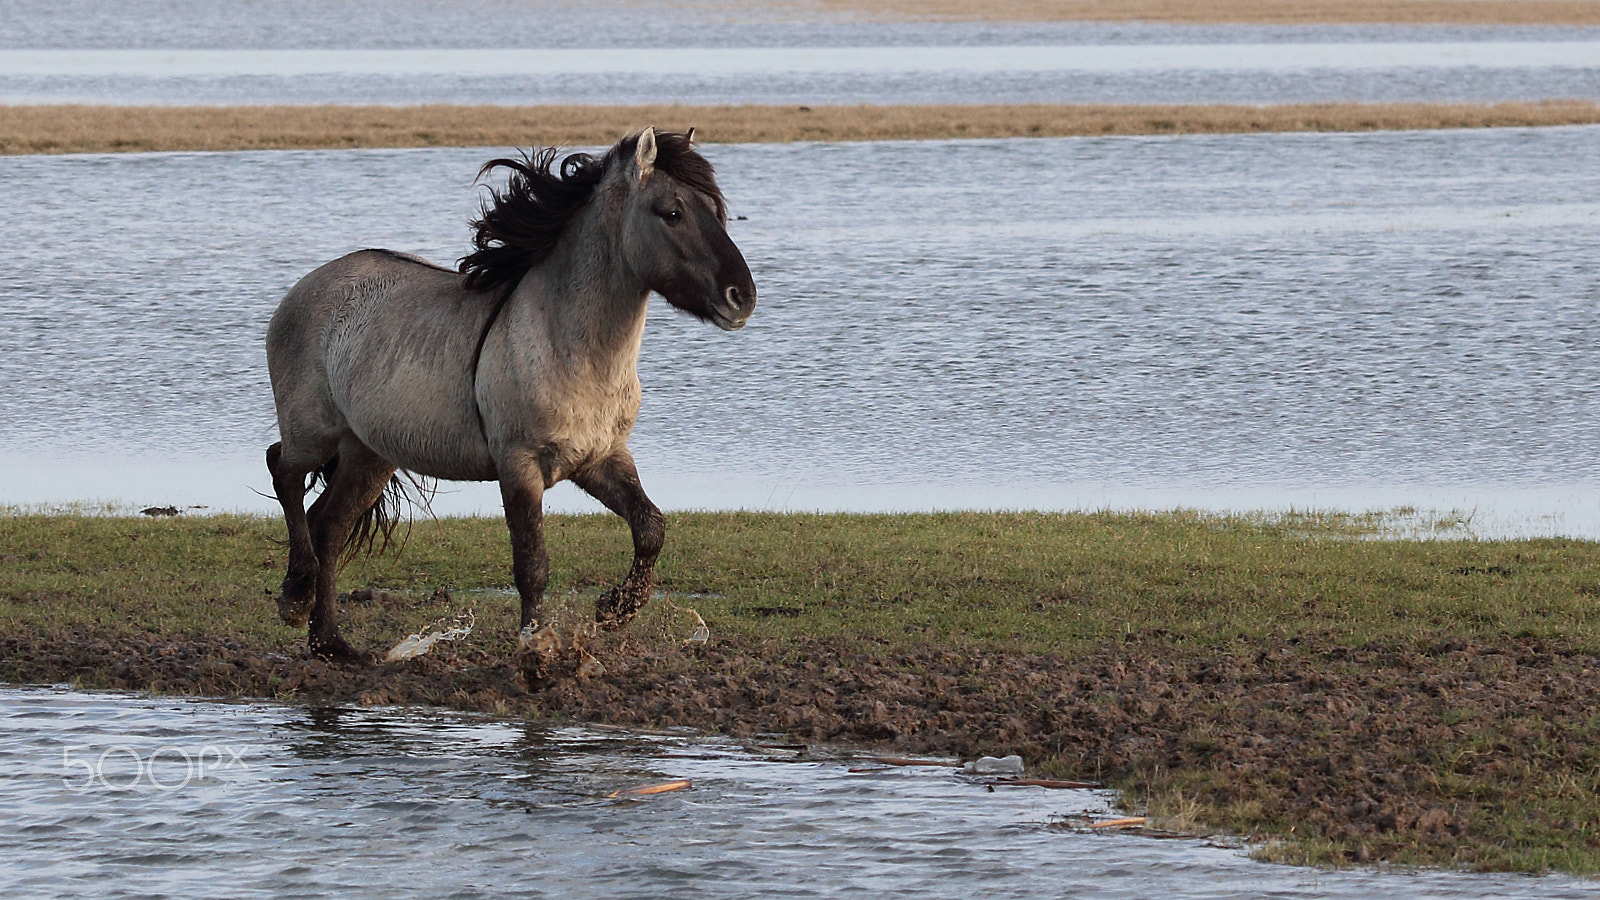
pixel 404 386
pixel 436 446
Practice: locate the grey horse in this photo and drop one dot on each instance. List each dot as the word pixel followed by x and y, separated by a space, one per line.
pixel 518 367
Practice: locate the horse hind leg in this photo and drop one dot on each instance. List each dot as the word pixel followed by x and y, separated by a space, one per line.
pixel 300 579
pixel 355 492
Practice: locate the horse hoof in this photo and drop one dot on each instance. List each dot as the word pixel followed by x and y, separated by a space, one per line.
pixel 537 653
pixel 538 672
pixel 614 610
pixel 295 612
pixel 612 621
pixel 335 650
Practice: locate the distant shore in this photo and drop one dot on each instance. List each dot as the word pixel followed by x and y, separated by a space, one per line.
pixel 1263 12
pixel 112 129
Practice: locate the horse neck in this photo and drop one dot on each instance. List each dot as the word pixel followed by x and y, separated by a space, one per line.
pixel 592 304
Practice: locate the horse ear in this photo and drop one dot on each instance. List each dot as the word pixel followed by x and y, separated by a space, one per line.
pixel 645 155
pixel 690 135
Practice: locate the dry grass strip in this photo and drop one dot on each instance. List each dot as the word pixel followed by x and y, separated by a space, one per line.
pixel 104 129
pixel 1277 12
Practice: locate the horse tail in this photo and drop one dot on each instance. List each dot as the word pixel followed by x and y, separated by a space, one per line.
pixel 374 532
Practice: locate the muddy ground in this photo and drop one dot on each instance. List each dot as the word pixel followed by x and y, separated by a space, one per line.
pixel 1376 752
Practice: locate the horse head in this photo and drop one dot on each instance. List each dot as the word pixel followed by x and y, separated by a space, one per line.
pixel 675 234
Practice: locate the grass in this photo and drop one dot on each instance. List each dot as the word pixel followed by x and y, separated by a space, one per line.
pixel 110 129
pixel 1028 582
pixel 1297 675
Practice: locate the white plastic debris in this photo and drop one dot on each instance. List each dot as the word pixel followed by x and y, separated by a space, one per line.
pixel 420 643
pixel 989 765
pixel 702 632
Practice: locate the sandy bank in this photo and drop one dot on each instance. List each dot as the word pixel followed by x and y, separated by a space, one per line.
pixel 106 129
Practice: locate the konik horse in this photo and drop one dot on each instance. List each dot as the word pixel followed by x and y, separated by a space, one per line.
pixel 519 367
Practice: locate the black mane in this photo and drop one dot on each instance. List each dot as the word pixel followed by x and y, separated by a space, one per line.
pixel 516 229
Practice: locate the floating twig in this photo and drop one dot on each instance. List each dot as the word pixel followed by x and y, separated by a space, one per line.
pixel 665 787
pixel 1130 822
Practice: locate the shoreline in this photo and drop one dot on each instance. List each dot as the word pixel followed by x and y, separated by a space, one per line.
pixel 1241 12
pixel 1400 701
pixel 1309 753
pixel 70 129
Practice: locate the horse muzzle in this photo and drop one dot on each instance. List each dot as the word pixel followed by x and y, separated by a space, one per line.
pixel 734 307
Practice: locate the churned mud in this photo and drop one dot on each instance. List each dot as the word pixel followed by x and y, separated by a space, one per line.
pixel 1370 752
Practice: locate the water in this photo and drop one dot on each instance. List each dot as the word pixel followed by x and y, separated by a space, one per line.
pixel 1323 320
pixel 283 24
pixel 1192 73
pixel 100 51
pixel 1356 320
pixel 759 61
pixel 116 796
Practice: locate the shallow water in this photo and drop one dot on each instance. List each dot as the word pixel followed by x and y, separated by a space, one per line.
pixel 766 61
pixel 801 56
pixel 1219 73
pixel 114 795
pixel 1350 320
pixel 281 24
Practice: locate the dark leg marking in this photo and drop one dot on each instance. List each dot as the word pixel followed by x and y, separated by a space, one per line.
pixel 300 579
pixel 357 484
pixel 615 483
pixel 522 493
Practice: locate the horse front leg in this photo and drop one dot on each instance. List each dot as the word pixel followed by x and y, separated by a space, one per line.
pixel 300 579
pixel 522 493
pixel 615 483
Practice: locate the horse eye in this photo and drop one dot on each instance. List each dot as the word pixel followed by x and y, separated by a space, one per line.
pixel 670 215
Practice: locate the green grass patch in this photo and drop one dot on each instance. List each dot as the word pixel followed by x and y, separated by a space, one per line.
pixel 1025 582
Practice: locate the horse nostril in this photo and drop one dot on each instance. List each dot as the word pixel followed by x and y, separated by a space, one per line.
pixel 734 299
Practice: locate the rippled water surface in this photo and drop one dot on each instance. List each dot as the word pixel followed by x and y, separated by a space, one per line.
pixel 253 24
pixel 679 40
pixel 806 81
pixel 117 796
pixel 1271 318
